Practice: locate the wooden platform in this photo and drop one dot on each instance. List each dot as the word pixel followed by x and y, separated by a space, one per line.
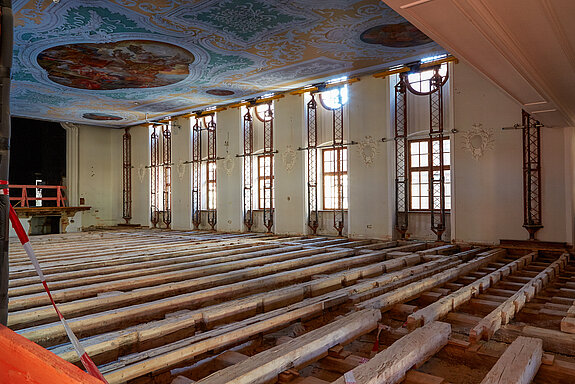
pixel 153 306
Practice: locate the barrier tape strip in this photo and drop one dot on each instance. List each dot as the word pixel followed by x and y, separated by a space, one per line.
pixel 4 191
pixel 86 360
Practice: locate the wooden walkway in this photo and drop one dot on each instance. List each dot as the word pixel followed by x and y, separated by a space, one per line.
pixel 154 306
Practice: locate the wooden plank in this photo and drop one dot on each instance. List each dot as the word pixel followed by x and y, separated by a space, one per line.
pixel 391 365
pixel 518 364
pixel 267 364
pixel 507 310
pixel 86 326
pixel 416 377
pixel 451 302
pixel 388 300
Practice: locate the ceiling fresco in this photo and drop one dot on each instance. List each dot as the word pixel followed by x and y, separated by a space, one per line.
pixel 122 62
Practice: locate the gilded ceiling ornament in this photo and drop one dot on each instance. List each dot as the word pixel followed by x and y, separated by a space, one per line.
pixel 288 158
pixel 478 140
pixel 368 150
pixel 229 164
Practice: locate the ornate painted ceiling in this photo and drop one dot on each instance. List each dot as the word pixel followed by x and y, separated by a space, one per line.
pixel 120 62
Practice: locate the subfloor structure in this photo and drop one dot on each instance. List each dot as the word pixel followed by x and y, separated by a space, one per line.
pixel 153 306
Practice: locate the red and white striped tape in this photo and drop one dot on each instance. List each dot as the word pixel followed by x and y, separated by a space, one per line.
pixel 88 363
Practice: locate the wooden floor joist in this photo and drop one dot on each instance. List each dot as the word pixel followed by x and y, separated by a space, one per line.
pixel 297 352
pixel 465 294
pixel 507 310
pixel 159 307
pixel 391 365
pixel 518 364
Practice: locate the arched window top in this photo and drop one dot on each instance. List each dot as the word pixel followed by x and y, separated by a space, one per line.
pixel 420 82
pixel 265 111
pixel 334 98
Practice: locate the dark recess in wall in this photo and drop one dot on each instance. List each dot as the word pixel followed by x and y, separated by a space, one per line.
pixel 37 151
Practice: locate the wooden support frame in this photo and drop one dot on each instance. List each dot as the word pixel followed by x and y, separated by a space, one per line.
pixel 518 364
pixel 298 352
pixel 452 301
pixel 391 365
pixel 508 309
pixel 388 300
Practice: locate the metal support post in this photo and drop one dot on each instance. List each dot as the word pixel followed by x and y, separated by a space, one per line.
pixel 196 174
pixel 437 181
pixel 211 173
pixel 401 171
pixel 338 126
pixel 127 176
pixel 268 187
pixel 248 169
pixel 312 209
pixel 154 177
pixel 531 175
pixel 167 164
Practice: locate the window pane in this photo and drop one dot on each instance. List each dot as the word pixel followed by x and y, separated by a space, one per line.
pixel 424 160
pixel 425 202
pixel 414 148
pixel 415 161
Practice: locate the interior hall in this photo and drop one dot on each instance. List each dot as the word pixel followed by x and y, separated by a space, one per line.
pixel 293 192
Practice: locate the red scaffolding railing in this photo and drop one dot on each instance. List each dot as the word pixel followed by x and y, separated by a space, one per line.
pixel 23 200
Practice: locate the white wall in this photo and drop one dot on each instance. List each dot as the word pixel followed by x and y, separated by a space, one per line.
pixel 100 176
pixel 487 192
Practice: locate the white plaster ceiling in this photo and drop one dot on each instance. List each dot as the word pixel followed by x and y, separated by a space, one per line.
pixel 527 47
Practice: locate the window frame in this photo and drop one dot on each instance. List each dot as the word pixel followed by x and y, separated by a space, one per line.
pixel 412 169
pixel 324 174
pixel 261 180
pixel 209 183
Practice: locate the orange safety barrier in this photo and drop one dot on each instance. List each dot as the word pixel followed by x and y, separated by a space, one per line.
pixel 23 200
pixel 24 362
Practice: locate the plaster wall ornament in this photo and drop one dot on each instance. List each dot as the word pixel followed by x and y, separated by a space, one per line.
pixel 229 163
pixel 288 158
pixel 368 150
pixel 141 172
pixel 181 168
pixel 478 140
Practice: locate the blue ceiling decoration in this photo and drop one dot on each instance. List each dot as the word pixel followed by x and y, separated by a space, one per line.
pixel 120 62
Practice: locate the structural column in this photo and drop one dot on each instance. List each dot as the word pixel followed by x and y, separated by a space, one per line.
pixel 6 29
pixel 531 175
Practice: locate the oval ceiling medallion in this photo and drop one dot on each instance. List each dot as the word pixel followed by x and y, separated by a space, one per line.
pixel 220 92
pixel 101 117
pixel 400 35
pixel 120 65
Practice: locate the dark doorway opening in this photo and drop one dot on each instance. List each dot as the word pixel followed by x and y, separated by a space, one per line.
pixel 37 156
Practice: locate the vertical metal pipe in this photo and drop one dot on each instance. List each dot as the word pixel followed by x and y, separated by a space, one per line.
pixel 127 176
pixel 248 169
pixel 211 173
pixel 268 187
pixel 167 164
pixel 437 178
pixel 531 175
pixel 401 170
pixel 6 39
pixel 312 210
pixel 196 173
